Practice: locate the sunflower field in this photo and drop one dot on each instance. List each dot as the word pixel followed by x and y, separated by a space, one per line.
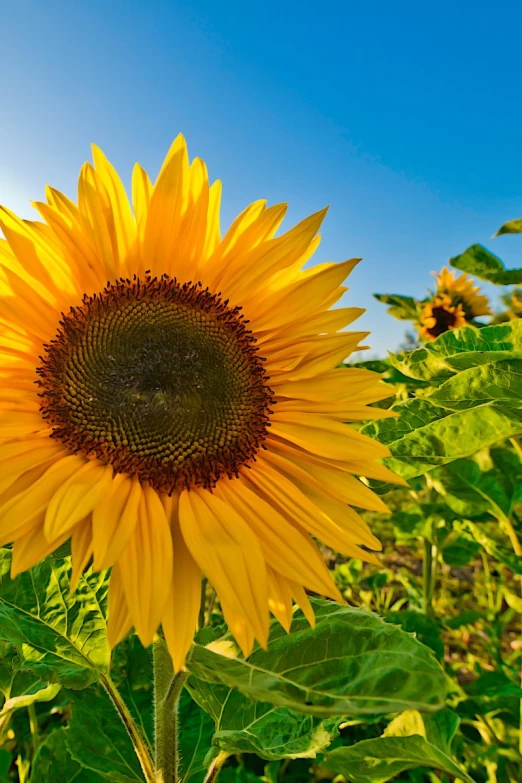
pixel 231 549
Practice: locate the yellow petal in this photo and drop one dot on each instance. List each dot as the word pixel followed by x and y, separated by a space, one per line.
pixel 324 437
pixel 240 628
pixel 228 553
pixel 81 550
pixel 33 499
pixel 119 621
pixel 285 548
pixel 279 598
pixel 123 223
pixel 146 566
pixel 293 503
pixel 114 519
pixel 76 498
pixel 302 600
pixel 166 207
pixel 31 548
pixel 180 618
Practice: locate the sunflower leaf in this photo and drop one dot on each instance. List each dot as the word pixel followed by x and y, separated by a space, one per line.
pixel 427 435
pixel 410 741
pixel 97 739
pixel 460 349
pixel 61 637
pixel 479 261
pixel 195 739
pixel 352 663
pixel 510 227
pixel 245 726
pixel 54 762
pixel 404 308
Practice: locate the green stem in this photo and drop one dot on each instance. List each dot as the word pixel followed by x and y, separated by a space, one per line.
pixel 487 579
pixel 428 575
pixel 203 604
pixel 216 767
pixel 137 740
pixel 167 690
pixel 33 725
pixel 511 533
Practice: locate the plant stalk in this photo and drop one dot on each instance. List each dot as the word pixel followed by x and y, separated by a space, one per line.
pixel 167 690
pixel 33 726
pixel 216 767
pixel 140 747
pixel 428 576
pixel 203 604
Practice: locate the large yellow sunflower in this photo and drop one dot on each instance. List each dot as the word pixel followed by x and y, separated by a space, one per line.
pixel 456 301
pixel 170 402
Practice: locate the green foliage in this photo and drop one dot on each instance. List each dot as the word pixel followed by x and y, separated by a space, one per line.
pixel 462 349
pixel 410 741
pixel 510 227
pixel 97 739
pixel 474 404
pixel 404 308
pixel 246 726
pixel 479 261
pixel 59 636
pixel 53 762
pixel 195 739
pixel 351 663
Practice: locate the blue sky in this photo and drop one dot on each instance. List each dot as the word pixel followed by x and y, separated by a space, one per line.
pixel 404 117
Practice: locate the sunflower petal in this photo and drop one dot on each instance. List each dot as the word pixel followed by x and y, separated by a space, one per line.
pixel 146 566
pixel 229 554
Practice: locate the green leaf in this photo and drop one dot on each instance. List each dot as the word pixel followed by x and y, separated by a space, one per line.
pixel 389 372
pixel 61 637
pixel 510 227
pixel 48 693
pixel 245 726
pixel 496 383
pixel 458 550
pixel 5 762
pixel 97 739
pixel 467 617
pixel 410 741
pixel 491 691
pixel 426 435
pixel 132 673
pixel 460 349
pixel 425 629
pixel 352 663
pixel 195 739
pixel 404 308
pixel 479 261
pixel 491 547
pixel 53 762
pixel 471 491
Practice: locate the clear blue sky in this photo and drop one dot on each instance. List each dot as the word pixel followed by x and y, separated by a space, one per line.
pixel 405 117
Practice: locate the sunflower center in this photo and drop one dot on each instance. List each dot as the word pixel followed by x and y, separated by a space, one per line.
pixel 161 380
pixel 444 320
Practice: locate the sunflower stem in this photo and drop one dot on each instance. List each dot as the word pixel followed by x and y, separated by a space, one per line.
pixel 167 690
pixel 216 767
pixel 140 747
pixel 201 618
pixel 33 726
pixel 428 575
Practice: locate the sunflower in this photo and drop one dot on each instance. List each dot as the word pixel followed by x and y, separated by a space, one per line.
pixel 440 315
pixel 170 402
pixel 456 301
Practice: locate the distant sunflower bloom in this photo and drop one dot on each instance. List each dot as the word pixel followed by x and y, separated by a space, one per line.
pixel 170 402
pixel 456 301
